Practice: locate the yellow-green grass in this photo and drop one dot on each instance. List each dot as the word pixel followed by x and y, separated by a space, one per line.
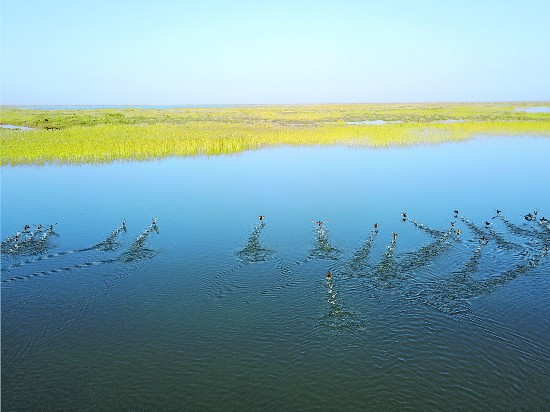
pixel 105 135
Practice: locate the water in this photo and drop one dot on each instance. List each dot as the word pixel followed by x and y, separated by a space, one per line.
pixel 219 310
pixel 535 109
pixel 380 122
pixel 11 126
pixel 374 122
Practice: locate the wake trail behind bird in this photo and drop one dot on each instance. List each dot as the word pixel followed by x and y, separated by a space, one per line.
pixel 136 252
pixel 432 232
pixel 415 260
pixel 107 244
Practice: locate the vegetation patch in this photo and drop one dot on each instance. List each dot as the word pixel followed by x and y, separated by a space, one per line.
pixel 106 135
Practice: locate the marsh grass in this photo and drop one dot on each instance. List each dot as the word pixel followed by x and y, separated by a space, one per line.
pixel 106 135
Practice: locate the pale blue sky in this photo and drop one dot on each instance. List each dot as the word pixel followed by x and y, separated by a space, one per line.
pixel 247 52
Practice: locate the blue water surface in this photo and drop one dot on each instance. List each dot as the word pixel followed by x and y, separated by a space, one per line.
pixel 212 308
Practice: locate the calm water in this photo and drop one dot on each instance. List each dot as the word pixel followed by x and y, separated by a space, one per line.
pixel 535 109
pixel 221 311
pixel 11 126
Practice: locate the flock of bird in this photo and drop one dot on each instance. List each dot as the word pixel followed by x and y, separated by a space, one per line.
pixel 33 242
pixel 19 239
pixel 530 217
pixel 27 241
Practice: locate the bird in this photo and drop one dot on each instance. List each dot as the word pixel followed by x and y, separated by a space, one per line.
pixel 404 216
pixel 543 220
pixel 498 212
pixel 329 275
pixel 154 221
pixel 261 217
pixel 458 232
pixel 319 222
pixel 487 224
pixel 26 228
pixel 528 216
pixel 453 224
pixel 376 225
pixel 394 235
pixel 484 239
pixel 123 225
pixel 456 213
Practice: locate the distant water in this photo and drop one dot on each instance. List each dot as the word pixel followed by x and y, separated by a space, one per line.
pixel 373 122
pixel 380 122
pixel 534 109
pixel 212 309
pixel 11 126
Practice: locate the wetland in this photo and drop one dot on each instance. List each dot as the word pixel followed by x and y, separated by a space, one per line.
pixel 396 265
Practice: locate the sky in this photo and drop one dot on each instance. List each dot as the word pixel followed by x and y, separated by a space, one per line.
pixel 131 52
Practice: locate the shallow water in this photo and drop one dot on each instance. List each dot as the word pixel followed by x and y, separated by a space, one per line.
pixel 375 122
pixel 218 310
pixel 11 126
pixel 535 109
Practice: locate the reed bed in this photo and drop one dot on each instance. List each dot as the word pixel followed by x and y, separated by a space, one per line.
pixel 106 135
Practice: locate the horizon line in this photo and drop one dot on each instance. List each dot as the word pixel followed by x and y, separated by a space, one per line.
pixel 188 105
